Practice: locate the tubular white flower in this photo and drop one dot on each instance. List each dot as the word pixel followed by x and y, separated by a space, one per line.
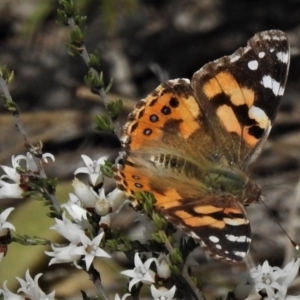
pixel 30 160
pixel 292 297
pixel 30 163
pixel 102 206
pixel 67 229
pixel 63 255
pixel 105 221
pixel 7 189
pixel 117 297
pixel 141 272
pixel 31 288
pixel 162 293
pixel 162 266
pixel 273 280
pixel 11 174
pixel 47 155
pixel 3 224
pixel 74 199
pixel 116 199
pixel 92 168
pixel 78 214
pixel 10 190
pixel 10 183
pixel 287 275
pixel 86 194
pixel 8 295
pixel 90 249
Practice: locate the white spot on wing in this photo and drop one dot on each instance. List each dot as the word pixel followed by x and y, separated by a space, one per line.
pixel 214 239
pixel 235 222
pixel 257 114
pixel 261 54
pixel 266 37
pixel 270 83
pixel 219 246
pixel 241 254
pixel 253 64
pixel 242 239
pixel 283 56
pixel 281 91
pixel 175 81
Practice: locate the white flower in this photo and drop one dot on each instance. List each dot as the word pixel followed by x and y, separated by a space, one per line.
pixel 102 206
pixel 4 229
pixel 8 295
pixel 31 288
pixel 45 155
pixel 92 169
pixel 31 164
pixel 78 214
pixel 67 229
pixel 116 199
pixel 117 297
pixel 11 173
pixel 90 249
pixel 287 275
pixel 86 194
pixel 105 221
pixel 292 297
pixel 12 188
pixel 64 255
pixel 275 281
pixel 162 266
pixel 7 189
pixel 5 226
pixel 162 293
pixel 141 272
pixel 111 203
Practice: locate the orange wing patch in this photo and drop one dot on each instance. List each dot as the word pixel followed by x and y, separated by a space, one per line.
pixel 171 109
pixel 225 83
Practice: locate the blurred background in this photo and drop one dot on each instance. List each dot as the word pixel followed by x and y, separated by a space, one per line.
pixel 140 43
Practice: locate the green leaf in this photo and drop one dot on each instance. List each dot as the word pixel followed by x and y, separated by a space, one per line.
pixel 94 80
pixel 103 123
pixel 106 169
pixel 109 86
pixel 94 61
pixel 114 108
pixel 6 74
pixel 10 105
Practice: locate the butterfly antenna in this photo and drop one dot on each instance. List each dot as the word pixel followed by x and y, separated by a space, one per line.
pixel 295 245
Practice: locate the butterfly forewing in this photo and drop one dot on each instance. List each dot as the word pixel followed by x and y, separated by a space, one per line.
pixel 240 94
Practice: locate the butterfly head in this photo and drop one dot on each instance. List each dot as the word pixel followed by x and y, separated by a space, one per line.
pixel 252 193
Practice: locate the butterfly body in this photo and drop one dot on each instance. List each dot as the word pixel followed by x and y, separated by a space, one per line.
pixel 190 143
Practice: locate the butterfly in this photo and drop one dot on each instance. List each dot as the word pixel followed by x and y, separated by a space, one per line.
pixel 190 143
